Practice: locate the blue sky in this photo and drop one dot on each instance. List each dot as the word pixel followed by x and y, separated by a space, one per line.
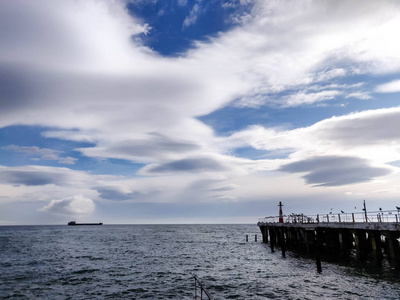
pixel 196 111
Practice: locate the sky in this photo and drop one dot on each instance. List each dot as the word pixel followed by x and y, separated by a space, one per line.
pixel 195 111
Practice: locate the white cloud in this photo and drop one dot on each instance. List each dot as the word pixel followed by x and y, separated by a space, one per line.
pixel 390 87
pixel 75 205
pixel 372 135
pixel 73 66
pixel 335 170
pixel 107 95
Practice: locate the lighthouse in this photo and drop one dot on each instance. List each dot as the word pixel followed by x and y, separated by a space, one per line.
pixel 280 212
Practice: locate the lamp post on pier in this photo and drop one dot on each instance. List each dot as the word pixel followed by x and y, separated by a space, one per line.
pixel 365 212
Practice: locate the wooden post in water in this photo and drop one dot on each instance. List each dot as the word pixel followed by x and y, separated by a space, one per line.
pixel 256 238
pixel 318 245
pixel 318 261
pixel 247 238
pixel 264 232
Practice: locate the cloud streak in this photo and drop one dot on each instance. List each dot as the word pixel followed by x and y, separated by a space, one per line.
pixel 43 153
pixel 205 164
pixel 41 176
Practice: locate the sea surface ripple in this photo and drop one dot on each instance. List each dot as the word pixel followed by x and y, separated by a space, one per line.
pixel 158 262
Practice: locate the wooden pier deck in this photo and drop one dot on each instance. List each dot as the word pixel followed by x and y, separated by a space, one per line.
pixel 372 236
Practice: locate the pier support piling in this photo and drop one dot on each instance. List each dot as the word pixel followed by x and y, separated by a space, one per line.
pixel 376 247
pixel 393 250
pixel 272 240
pixel 361 244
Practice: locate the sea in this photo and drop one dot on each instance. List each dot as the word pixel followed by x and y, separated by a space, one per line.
pixel 160 261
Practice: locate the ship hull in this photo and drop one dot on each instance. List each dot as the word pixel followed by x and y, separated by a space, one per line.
pixel 83 224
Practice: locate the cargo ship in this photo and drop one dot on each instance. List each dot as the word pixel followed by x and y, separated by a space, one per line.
pixel 73 223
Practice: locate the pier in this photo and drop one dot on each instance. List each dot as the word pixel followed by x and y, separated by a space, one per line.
pixel 371 236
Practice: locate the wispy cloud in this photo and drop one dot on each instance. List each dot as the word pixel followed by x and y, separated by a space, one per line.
pixel 181 2
pixel 310 98
pixel 43 153
pixel 192 17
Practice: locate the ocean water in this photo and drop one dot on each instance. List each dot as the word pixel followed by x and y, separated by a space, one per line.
pixel 158 262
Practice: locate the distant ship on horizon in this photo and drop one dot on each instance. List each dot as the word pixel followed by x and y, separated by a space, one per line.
pixel 73 223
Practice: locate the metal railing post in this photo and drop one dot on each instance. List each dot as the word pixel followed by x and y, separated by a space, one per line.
pixel 202 289
pixel 381 217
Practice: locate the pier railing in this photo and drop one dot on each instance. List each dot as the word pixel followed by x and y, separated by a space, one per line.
pixel 199 288
pixel 387 216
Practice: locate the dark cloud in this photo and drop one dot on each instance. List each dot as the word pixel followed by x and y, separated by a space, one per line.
pixel 154 145
pixel 115 194
pixel 32 178
pixel 13 88
pixel 189 165
pixel 224 188
pixel 335 170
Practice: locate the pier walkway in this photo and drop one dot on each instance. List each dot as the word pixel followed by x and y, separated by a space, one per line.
pixel 372 236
